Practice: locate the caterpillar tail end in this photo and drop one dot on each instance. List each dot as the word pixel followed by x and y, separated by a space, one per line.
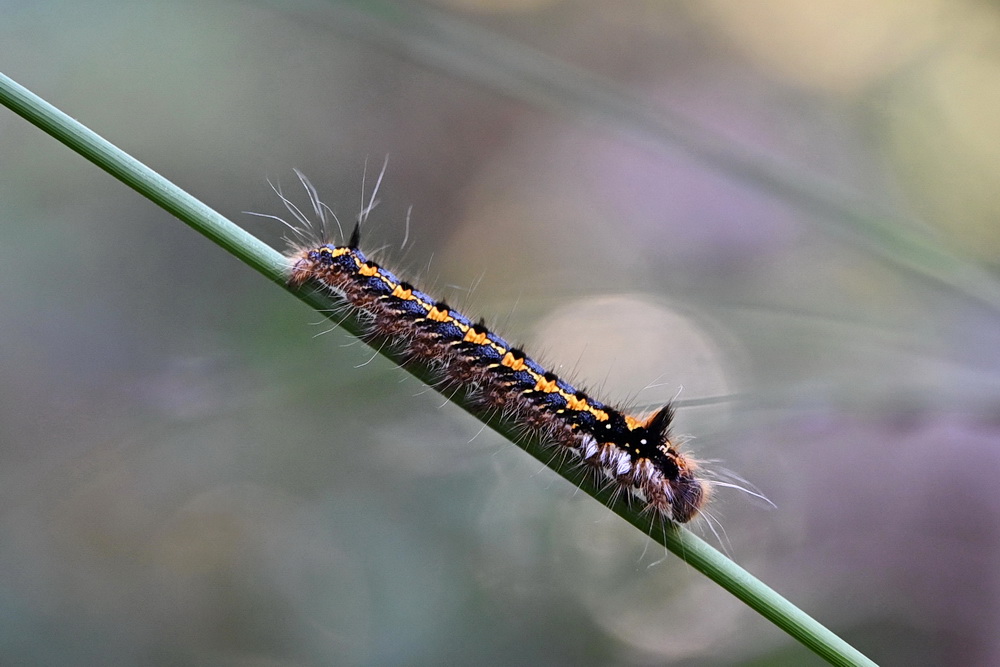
pixel 300 270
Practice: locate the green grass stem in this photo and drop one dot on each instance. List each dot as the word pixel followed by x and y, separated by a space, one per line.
pixel 680 541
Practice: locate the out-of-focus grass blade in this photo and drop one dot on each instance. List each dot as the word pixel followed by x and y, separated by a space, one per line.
pixel 444 42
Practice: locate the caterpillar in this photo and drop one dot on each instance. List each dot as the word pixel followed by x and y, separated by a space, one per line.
pixel 636 454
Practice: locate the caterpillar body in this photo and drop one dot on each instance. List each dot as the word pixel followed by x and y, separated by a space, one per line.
pixel 634 453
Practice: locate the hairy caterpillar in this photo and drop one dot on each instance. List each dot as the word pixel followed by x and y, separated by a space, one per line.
pixel 634 453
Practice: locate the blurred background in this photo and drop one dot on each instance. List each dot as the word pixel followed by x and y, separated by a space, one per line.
pixel 783 214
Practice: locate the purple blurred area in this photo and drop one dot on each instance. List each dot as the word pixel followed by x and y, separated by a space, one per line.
pixel 194 469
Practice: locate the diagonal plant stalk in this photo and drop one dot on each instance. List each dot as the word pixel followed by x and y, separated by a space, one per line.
pixel 680 541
